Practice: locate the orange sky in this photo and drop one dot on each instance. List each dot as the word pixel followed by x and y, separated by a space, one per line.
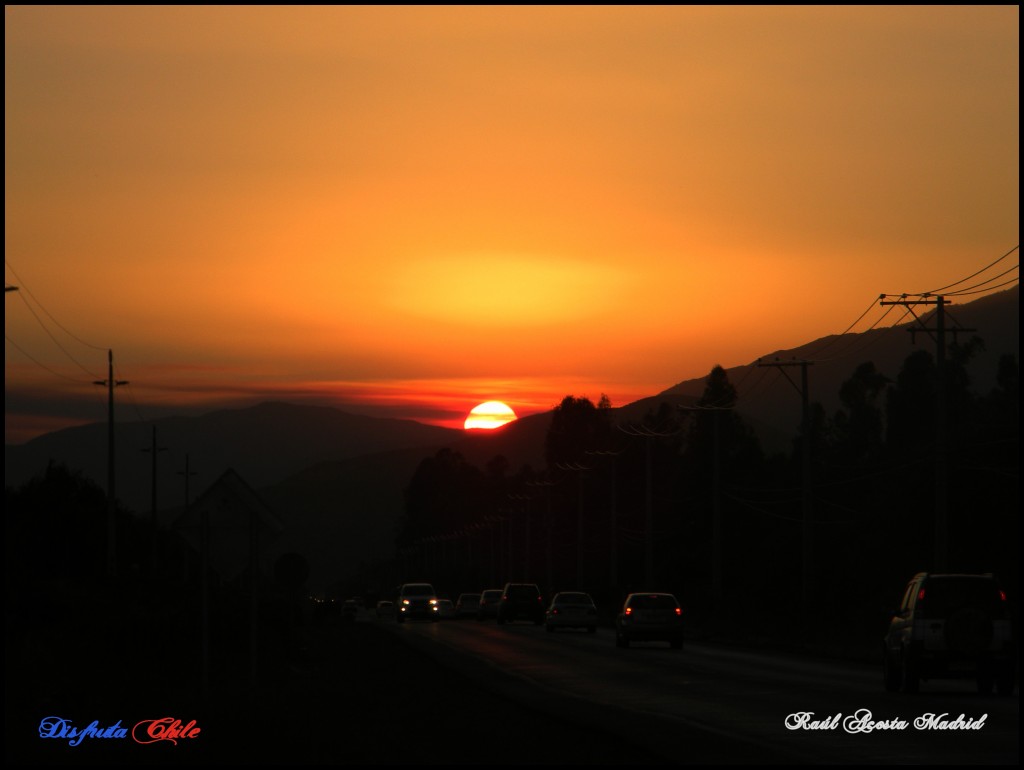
pixel 414 210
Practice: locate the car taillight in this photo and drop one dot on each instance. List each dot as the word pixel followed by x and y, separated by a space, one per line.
pixel 920 595
pixel 629 610
pixel 679 610
pixel 1002 595
pixel 554 611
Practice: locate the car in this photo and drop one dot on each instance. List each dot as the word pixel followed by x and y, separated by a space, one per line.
pixel 350 609
pixel 445 609
pixel 416 600
pixel 490 600
pixel 467 605
pixel 650 617
pixel 521 601
pixel 950 626
pixel 326 608
pixel 385 609
pixel 571 609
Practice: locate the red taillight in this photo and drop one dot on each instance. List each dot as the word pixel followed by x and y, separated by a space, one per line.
pixel 1002 595
pixel 920 595
pixel 629 610
pixel 554 611
pixel 679 610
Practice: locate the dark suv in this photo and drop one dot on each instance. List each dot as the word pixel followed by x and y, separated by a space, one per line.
pixel 950 626
pixel 416 600
pixel 521 601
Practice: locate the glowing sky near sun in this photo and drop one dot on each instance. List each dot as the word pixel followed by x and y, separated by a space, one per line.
pixel 424 208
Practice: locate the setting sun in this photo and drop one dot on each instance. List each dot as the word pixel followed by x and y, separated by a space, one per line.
pixel 489 415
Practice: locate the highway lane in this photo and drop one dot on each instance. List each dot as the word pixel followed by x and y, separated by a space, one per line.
pixel 738 696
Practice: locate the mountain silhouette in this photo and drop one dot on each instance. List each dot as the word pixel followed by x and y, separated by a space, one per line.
pixel 771 404
pixel 265 444
pixel 337 480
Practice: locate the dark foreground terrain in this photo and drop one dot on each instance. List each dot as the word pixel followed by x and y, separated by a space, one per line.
pixel 336 693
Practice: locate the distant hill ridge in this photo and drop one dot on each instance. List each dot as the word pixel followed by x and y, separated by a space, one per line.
pixel 337 479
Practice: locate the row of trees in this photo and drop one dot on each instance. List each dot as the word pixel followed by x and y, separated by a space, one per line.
pixel 687 500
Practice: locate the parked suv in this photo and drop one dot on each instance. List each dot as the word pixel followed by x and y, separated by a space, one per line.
pixel 521 601
pixel 950 626
pixel 416 600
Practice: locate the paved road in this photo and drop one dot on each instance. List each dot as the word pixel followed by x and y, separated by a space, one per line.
pixel 368 693
pixel 733 705
pixel 348 693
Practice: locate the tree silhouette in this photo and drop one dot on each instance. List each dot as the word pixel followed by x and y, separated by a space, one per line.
pixel 859 426
pixel 444 494
pixel 577 426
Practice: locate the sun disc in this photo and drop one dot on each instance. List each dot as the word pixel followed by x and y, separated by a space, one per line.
pixel 489 415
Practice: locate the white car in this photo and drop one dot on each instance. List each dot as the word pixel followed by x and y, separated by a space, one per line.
pixel 490 600
pixel 648 617
pixel 571 609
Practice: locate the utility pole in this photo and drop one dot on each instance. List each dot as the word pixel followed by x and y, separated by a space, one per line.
pixel 549 586
pixel 613 525
pixel 580 469
pixel 717 560
pixel 525 499
pixel 807 536
pixel 941 524
pixel 204 581
pixel 110 383
pixel 648 434
pixel 154 450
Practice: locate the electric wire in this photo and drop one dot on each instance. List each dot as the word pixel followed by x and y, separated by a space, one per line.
pixel 973 275
pixel 839 336
pixel 982 291
pixel 756 392
pixel 967 289
pixel 853 341
pixel 42 365
pixel 760 510
pixel 865 343
pixel 55 340
pixel 48 313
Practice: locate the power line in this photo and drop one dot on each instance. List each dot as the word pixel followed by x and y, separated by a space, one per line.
pixel 52 337
pixel 987 280
pixel 40 364
pixel 760 510
pixel 842 334
pixel 48 313
pixel 865 343
pixel 982 291
pixel 972 275
pixel 856 338
pixel 756 392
